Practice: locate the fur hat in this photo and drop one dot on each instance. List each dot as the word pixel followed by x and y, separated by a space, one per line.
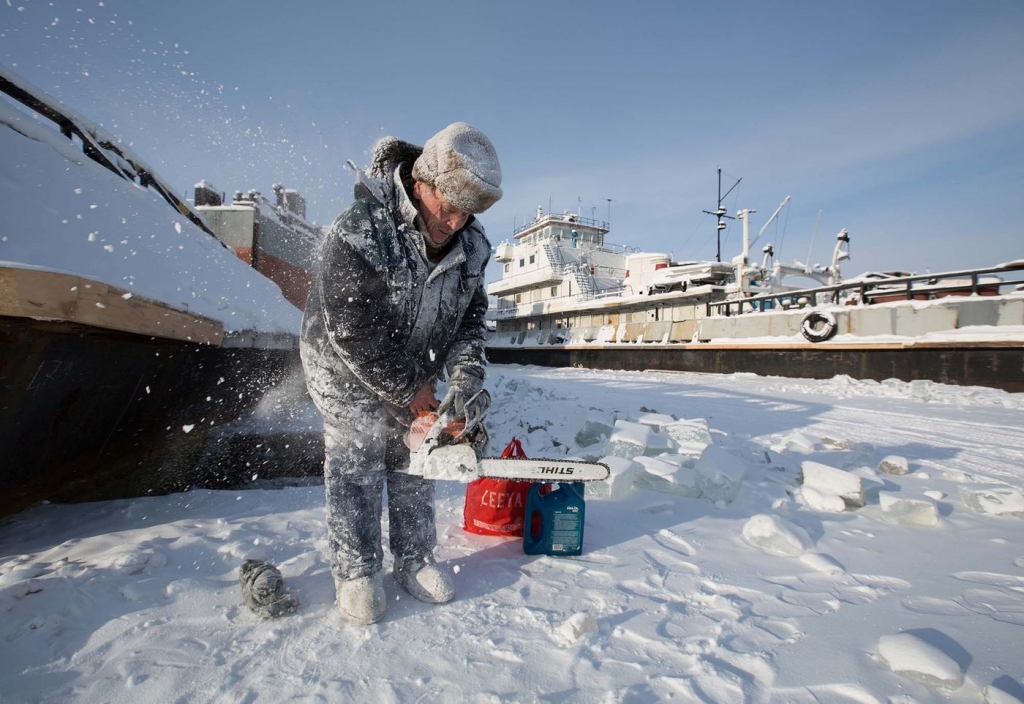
pixel 460 162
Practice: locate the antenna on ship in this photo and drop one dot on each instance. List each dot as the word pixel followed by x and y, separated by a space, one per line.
pixel 720 212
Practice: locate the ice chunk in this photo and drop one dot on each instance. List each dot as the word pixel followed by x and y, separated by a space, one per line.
pixel 776 536
pixel 869 480
pixel 623 476
pixel 719 474
pixel 994 694
pixel 659 444
pixel 794 442
pixel 628 439
pixel 909 512
pixel 829 480
pixel 655 421
pixel 594 453
pixel 837 443
pixel 668 476
pixel 894 464
pixel 861 455
pixel 659 466
pixel 997 500
pixel 817 500
pixel 692 436
pixel 680 460
pixel 595 428
pixel 917 660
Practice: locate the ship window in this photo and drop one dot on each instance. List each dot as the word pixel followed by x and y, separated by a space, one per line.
pixel 519 298
pixel 533 258
pixel 554 291
pixel 506 268
pixel 522 263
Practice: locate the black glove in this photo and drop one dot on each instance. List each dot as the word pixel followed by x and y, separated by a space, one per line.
pixel 461 389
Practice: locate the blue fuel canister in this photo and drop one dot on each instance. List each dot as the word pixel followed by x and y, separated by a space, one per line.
pixel 554 520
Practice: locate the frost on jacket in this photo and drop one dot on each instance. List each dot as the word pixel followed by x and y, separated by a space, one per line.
pixel 380 322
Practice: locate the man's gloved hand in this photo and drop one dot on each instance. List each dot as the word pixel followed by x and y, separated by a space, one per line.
pixel 461 388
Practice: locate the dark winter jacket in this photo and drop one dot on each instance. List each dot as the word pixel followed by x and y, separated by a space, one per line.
pixel 380 321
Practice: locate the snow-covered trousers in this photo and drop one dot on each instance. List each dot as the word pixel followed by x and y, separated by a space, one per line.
pixel 357 467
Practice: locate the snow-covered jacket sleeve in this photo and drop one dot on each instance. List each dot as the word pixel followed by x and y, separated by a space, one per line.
pixel 356 280
pixel 466 355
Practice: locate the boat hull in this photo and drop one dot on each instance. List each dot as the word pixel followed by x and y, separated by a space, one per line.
pixel 90 413
pixel 994 365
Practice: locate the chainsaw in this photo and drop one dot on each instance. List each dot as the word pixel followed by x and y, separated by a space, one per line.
pixel 444 447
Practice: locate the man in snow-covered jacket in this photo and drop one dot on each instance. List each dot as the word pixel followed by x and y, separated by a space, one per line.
pixel 398 301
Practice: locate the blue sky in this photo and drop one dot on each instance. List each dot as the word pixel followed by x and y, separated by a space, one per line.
pixel 902 122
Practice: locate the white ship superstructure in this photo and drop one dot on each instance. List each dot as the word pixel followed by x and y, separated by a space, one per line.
pixel 560 278
pixel 564 285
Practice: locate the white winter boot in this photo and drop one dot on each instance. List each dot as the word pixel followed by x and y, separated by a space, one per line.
pixel 361 600
pixel 424 580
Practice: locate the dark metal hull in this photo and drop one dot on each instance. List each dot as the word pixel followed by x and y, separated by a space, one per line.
pixel 975 364
pixel 89 414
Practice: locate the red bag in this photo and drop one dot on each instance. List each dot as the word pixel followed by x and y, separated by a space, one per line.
pixel 497 506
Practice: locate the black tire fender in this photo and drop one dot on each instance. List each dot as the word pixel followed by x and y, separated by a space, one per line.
pixel 819 326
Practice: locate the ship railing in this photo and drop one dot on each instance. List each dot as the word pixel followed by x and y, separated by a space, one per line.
pixel 570 219
pixel 607 293
pixel 883 289
pixel 619 249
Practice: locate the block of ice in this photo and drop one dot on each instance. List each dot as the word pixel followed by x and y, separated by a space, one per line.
pixel 917 660
pixel 660 466
pixel 628 439
pixel 667 475
pixel 623 476
pixel 655 421
pixel 692 436
pixel 794 442
pixel 719 474
pixel 818 500
pixel 829 480
pixel 862 455
pixel 997 500
pixel 907 511
pixel 776 536
pixel 660 444
pixel 680 460
pixel 837 443
pixel 994 694
pixel 595 427
pixel 894 464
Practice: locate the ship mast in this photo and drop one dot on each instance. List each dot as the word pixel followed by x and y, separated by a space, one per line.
pixel 720 212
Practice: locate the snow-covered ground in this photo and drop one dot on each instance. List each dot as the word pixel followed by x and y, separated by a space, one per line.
pixel 784 594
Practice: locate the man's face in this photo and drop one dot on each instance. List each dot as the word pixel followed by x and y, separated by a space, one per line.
pixel 442 218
